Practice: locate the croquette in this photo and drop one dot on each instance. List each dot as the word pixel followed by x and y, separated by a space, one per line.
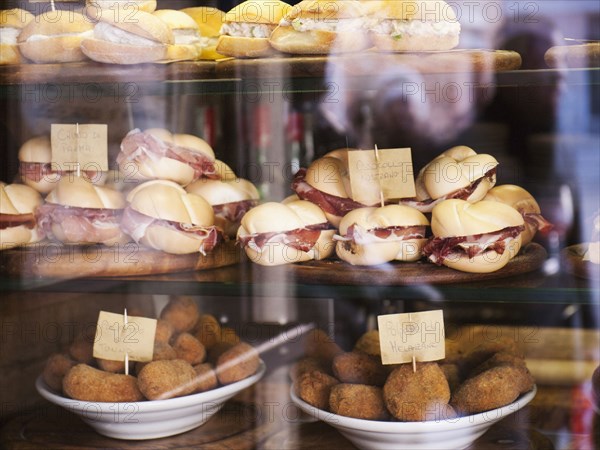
pixel 82 349
pixel 206 378
pixel 88 384
pixel 182 313
pixel 314 388
pixel 208 330
pixel 369 343
pixel 320 346
pixel 55 370
pixel 491 389
pixel 161 352
pixel 359 368
pixel 357 400
pixel 164 332
pixel 416 396
pixel 306 365
pixel 237 363
pixel 190 349
pixel 160 380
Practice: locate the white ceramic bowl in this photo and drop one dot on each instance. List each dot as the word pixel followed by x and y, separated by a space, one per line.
pixel 150 419
pixel 444 434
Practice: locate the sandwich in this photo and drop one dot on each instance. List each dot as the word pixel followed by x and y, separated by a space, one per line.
pixel 12 21
pixel 320 27
pixel 477 237
pixel 37 170
pixel 522 201
pixel 326 183
pixel 18 225
pixel 372 236
pixel 209 20
pixel 78 212
pixel 115 40
pixel 55 37
pixel 458 173
pixel 186 34
pixel 158 154
pixel 163 216
pixel 247 27
pixel 274 234
pixel 412 26
pixel 130 6
pixel 230 200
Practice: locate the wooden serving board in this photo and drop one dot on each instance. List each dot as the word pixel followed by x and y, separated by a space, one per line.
pixel 371 63
pixel 333 271
pixel 51 260
pixel 574 56
pixel 573 259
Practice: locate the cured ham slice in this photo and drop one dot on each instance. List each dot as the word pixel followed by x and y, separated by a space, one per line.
pixel 302 239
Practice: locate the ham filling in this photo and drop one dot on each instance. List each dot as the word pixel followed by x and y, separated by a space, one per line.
pixel 331 204
pixel 439 249
pixel 138 146
pixel 234 211
pixel 80 224
pixel 16 220
pixel 135 225
pixel 302 239
pixel 426 206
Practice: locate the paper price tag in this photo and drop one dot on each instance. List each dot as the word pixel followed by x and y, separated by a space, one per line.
pixel 388 172
pixel 404 336
pixel 114 339
pixel 83 146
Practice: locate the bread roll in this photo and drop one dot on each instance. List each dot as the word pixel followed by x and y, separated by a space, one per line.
pixel 381 235
pixel 17 207
pixel 55 37
pixel 209 20
pixel 188 43
pixel 275 234
pixel 321 27
pixel 12 21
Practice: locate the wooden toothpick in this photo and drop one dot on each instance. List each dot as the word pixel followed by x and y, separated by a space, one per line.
pixel 381 199
pixel 125 329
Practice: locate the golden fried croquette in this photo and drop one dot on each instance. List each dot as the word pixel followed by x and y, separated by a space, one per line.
pixel 369 343
pixel 320 346
pixel 229 336
pixel 161 352
pixel 111 366
pixel 208 330
pixel 358 368
pixel 314 388
pixel 306 365
pixel 216 351
pixel 498 359
pixel 482 351
pixel 82 349
pixel 55 370
pixel 160 380
pixel 206 378
pixel 455 352
pixel 86 383
pixel 452 374
pixel 164 332
pixel 188 348
pixel 491 389
pixel 358 400
pixel 416 396
pixel 237 363
pixel 181 312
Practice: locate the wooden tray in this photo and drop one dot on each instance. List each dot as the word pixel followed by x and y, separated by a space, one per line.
pixel 574 56
pixel 401 274
pixel 51 260
pixel 573 259
pixel 371 63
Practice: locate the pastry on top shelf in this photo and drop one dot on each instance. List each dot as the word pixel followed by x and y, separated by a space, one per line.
pixel 12 21
pixel 18 225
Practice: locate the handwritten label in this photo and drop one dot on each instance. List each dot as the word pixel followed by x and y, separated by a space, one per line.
pixel 114 339
pixel 85 146
pixel 387 171
pixel 419 335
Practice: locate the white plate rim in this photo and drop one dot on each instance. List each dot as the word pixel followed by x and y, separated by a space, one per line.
pixel 487 417
pixel 151 405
